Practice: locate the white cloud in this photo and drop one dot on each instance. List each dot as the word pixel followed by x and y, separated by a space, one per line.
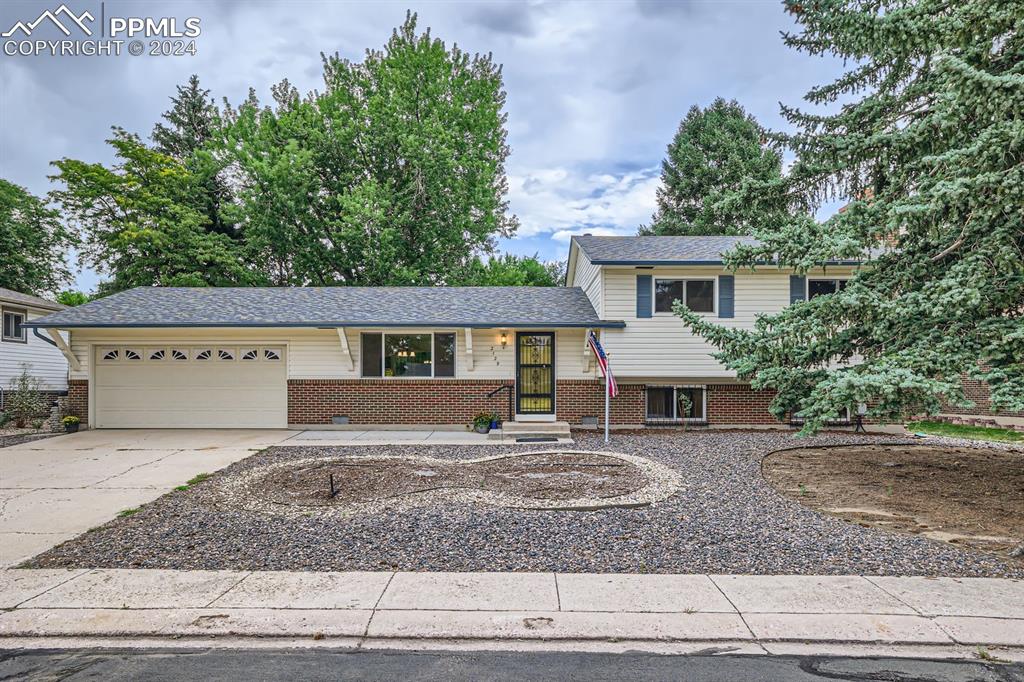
pixel 595 90
pixel 559 199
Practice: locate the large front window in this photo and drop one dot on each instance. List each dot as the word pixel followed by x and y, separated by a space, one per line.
pixel 675 403
pixel 408 355
pixel 697 294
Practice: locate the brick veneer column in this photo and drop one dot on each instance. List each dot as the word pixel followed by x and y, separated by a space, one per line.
pixel 739 404
pixel 585 398
pixel 78 399
pixel 978 392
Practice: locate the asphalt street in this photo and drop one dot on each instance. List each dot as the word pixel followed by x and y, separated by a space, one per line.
pixel 321 664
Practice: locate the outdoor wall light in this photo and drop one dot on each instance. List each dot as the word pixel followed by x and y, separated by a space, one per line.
pixel 504 339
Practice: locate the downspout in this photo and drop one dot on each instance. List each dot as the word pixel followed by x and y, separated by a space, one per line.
pixel 35 332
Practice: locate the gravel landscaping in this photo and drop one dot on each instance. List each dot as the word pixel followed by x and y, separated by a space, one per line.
pixel 723 519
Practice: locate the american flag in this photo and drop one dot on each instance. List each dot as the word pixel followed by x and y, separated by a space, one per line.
pixel 602 362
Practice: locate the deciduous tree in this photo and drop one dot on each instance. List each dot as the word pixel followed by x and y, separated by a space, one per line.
pixel 140 224
pixel 34 243
pixel 509 270
pixel 393 175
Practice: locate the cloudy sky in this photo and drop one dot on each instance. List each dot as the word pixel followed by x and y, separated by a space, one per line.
pixel 595 89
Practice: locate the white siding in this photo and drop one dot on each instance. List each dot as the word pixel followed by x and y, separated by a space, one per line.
pixel 590 278
pixel 317 353
pixel 45 361
pixel 662 346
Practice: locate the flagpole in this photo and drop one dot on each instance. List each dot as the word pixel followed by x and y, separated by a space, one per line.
pixel 607 399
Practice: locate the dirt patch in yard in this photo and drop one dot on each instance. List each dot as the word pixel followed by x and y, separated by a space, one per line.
pixel 553 476
pixel 546 480
pixel 970 497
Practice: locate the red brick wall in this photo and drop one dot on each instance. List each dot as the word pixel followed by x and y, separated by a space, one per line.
pixel 457 401
pixel 385 401
pixel 78 399
pixel 739 404
pixel 977 391
pixel 585 398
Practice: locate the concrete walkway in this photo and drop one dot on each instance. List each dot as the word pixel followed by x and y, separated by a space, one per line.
pixel 327 437
pixel 54 489
pixel 941 617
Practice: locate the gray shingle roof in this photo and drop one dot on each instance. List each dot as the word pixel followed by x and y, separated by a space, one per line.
pixel 701 250
pixel 335 306
pixel 18 298
pixel 657 250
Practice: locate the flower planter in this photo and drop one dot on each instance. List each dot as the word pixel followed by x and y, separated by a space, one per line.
pixel 482 428
pixel 71 428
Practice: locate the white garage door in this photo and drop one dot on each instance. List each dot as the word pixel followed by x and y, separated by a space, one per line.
pixel 213 386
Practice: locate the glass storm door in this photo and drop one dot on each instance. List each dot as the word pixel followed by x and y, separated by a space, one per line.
pixel 535 373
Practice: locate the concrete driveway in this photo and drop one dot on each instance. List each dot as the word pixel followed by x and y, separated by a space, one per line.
pixel 54 489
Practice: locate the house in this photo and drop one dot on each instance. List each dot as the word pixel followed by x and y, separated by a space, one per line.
pixel 667 374
pixel 273 357
pixel 19 346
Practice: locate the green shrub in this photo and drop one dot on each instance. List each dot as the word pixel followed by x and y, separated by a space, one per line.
pixel 25 400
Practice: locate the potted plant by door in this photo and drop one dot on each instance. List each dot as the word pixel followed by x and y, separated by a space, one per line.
pixel 482 422
pixel 71 423
pixel 495 422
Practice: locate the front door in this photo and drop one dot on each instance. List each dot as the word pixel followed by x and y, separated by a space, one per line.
pixel 535 373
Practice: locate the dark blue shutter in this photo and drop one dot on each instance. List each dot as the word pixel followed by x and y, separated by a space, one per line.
pixel 797 288
pixel 726 296
pixel 643 296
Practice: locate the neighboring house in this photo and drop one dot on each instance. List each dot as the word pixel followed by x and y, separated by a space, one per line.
pixel 272 357
pixel 18 345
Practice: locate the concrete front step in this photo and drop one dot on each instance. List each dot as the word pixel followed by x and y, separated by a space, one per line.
pixel 514 430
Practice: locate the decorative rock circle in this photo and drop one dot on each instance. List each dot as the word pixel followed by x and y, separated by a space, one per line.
pixel 548 480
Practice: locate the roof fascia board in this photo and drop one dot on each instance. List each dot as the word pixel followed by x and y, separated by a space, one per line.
pixel 613 324
pixel 635 263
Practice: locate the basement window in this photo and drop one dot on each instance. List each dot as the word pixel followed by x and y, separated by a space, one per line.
pixel 676 404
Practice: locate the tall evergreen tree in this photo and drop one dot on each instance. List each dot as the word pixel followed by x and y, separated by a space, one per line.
pixel 930 145
pixel 192 124
pixel 34 243
pixel 715 151
pixel 394 174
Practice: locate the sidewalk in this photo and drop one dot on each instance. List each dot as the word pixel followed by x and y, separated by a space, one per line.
pixel 942 617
